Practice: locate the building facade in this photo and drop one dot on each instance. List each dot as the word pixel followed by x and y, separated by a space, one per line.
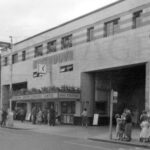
pixel 103 50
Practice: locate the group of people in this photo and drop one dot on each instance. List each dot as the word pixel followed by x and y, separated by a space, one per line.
pixel 145 127
pixel 124 125
pixel 46 116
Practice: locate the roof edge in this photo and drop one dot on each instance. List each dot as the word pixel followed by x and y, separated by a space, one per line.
pixel 63 24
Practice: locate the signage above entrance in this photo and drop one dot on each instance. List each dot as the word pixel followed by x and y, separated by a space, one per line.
pixel 36 96
pixel 47 96
pixel 69 95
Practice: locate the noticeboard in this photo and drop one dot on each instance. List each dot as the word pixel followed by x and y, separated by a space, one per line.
pixel 95 119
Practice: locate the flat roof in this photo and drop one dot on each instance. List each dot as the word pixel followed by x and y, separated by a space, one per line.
pixel 61 25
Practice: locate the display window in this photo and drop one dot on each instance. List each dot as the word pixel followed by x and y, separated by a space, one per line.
pixel 68 107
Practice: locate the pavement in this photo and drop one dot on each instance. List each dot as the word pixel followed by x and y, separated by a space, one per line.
pixel 96 133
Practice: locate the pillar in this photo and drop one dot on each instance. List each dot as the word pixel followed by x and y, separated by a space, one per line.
pixel 28 107
pixel 87 92
pixel 147 87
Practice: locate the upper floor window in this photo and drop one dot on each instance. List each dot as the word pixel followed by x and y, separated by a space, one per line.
pixel 38 51
pixel 51 46
pixel 14 58
pixel 5 61
pixel 111 27
pixel 90 34
pixel 66 42
pixel 137 19
pixel 23 55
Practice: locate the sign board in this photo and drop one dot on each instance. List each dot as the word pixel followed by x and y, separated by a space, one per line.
pixel 115 94
pixel 36 96
pixel 42 69
pixel 115 97
pixel 95 119
pixel 28 116
pixel 69 95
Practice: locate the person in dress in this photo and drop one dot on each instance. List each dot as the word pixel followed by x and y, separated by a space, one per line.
pixel 144 134
pixel 39 116
pixel 143 116
pixel 84 118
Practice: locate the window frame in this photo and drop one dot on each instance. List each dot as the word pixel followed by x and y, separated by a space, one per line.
pixel 5 61
pixel 23 55
pixel 51 46
pixel 135 17
pixel 14 58
pixel 111 27
pixel 66 41
pixel 90 34
pixel 38 51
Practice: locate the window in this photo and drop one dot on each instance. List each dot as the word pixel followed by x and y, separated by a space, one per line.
pixel 51 46
pixel 23 55
pixel 111 27
pixel 68 107
pixel 5 61
pixel 137 19
pixel 14 58
pixel 66 68
pixel 90 34
pixel 66 42
pixel 38 51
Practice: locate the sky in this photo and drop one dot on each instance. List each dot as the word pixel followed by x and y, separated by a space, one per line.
pixel 24 18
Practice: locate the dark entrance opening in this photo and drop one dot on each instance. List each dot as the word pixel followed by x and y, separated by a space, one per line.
pixel 129 82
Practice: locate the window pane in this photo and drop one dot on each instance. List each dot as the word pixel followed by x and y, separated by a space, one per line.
pixel 66 42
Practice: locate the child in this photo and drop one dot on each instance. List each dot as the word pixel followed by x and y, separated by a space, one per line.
pixel 119 127
pixel 144 135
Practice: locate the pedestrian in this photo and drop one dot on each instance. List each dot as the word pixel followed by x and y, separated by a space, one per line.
pixel 39 116
pixel 22 114
pixel 52 116
pixel 144 134
pixel 119 127
pixel 84 118
pixel 33 115
pixel 128 125
pixel 44 116
pixel 143 116
pixel 4 117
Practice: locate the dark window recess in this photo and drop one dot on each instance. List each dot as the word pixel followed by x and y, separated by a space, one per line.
pixel 5 61
pixel 51 46
pixel 14 58
pixel 23 55
pixel 68 107
pixel 137 19
pixel 90 34
pixel 66 42
pixel 66 68
pixel 111 27
pixel 38 51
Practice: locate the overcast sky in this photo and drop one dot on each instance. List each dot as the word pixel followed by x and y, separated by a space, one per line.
pixel 24 18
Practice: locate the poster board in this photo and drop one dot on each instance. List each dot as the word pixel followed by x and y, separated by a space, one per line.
pixel 28 115
pixel 95 119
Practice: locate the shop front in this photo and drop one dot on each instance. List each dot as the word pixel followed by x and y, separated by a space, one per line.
pixel 65 104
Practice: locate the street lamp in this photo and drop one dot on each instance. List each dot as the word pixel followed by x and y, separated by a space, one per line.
pixel 11 71
pixel 3 47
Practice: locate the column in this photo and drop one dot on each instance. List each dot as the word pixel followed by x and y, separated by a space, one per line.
pixel 147 87
pixel 28 108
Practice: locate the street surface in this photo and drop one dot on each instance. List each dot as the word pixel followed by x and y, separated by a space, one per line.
pixel 20 139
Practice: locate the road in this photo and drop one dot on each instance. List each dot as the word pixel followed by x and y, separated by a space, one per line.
pixel 14 139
